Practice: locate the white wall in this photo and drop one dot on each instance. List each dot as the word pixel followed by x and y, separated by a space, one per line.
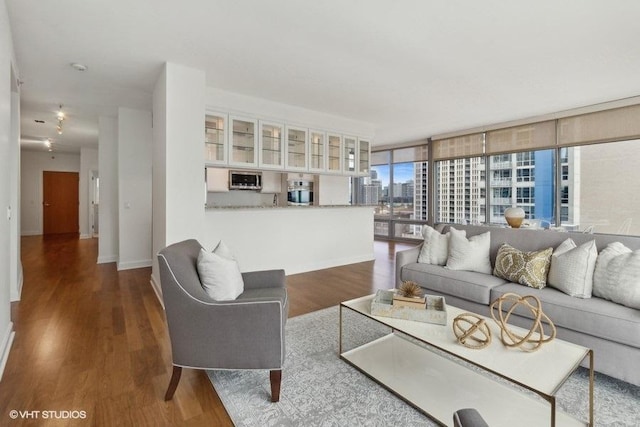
pixel 32 164
pixel 178 180
pixel 159 175
pixel 108 164
pixel 224 101
pixel 88 163
pixel 7 58
pixel 134 188
pixel 296 239
pixel 15 267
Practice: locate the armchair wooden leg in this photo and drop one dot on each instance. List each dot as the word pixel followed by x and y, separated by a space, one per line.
pixel 173 384
pixel 276 378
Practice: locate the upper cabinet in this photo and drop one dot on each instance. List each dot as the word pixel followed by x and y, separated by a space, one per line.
pixel 271 145
pixel 296 148
pixel 317 151
pixel 215 138
pixel 334 153
pixel 349 155
pixel 364 157
pixel 243 142
pixel 249 143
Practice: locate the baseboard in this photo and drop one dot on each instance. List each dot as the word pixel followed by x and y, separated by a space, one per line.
pixel 31 233
pixel 158 291
pixel 6 343
pixel 15 294
pixel 130 265
pixel 336 262
pixel 85 236
pixel 107 259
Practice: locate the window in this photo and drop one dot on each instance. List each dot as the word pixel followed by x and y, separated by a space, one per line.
pixel 533 185
pixel 601 187
pixel 399 190
pixel 525 175
pixel 460 191
pixel 525 195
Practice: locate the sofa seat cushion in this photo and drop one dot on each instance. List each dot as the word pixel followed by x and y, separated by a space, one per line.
pixel 469 285
pixel 594 316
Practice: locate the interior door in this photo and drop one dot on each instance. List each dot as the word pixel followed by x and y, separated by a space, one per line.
pixel 60 202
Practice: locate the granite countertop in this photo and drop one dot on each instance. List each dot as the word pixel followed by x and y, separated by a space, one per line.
pixel 283 207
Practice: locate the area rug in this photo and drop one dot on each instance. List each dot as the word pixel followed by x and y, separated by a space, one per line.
pixel 319 389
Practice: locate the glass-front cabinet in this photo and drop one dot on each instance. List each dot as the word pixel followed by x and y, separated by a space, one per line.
pixel 243 142
pixel 215 138
pixel 364 156
pixel 296 158
pixel 317 151
pixel 334 153
pixel 349 155
pixel 271 145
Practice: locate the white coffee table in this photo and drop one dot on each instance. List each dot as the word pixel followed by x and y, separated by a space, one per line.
pixel 439 385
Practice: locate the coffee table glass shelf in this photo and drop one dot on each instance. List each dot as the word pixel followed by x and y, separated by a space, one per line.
pixel 438 385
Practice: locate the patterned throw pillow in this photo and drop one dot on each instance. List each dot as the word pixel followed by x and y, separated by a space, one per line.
pixel 526 268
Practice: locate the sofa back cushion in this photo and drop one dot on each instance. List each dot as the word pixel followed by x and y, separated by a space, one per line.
pixel 534 240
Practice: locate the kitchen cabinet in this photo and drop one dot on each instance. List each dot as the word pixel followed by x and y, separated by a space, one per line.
pixel 271 145
pixel 364 157
pixel 334 153
pixel 243 142
pixel 296 148
pixel 317 151
pixel 215 138
pixel 349 155
pixel 217 180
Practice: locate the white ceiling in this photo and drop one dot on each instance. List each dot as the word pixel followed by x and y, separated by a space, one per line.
pixel 412 68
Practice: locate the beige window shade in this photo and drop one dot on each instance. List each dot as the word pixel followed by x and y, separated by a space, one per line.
pixel 603 126
pixel 411 154
pixel 380 157
pixel 461 146
pixel 528 137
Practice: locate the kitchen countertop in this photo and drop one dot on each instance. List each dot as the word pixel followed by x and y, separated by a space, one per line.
pixel 285 207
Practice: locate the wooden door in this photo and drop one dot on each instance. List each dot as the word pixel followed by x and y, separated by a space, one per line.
pixel 60 202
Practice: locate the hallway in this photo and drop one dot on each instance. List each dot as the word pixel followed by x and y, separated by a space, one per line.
pixel 90 338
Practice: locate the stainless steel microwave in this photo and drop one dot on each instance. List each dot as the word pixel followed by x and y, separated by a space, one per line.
pixel 243 180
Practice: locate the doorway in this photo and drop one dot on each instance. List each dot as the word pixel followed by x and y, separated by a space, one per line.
pixel 60 202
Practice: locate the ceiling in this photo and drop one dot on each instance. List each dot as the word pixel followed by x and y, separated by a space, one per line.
pixel 411 68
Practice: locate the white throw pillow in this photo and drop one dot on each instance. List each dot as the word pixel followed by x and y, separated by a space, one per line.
pixel 469 254
pixel 572 268
pixel 219 273
pixel 435 248
pixel 617 275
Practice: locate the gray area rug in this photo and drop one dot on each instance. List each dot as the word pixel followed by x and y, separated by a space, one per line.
pixel 319 389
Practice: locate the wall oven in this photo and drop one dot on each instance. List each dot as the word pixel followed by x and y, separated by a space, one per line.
pixel 300 193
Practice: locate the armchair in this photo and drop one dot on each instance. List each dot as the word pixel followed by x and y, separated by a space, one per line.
pixel 246 333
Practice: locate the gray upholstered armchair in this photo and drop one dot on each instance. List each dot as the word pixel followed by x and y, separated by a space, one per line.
pixel 246 333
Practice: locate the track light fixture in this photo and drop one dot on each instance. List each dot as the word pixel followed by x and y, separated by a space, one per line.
pixel 61 118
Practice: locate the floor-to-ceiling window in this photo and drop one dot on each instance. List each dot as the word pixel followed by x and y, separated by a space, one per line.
pixel 398 188
pixel 574 173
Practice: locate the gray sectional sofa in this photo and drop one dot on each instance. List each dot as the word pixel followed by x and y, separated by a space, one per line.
pixel 611 330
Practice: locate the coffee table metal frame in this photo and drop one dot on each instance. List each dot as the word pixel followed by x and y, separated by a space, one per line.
pixel 368 357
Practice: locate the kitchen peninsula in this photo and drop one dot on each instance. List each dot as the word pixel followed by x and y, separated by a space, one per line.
pixel 297 239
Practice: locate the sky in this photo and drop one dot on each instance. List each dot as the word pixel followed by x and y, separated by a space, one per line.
pixel 402 172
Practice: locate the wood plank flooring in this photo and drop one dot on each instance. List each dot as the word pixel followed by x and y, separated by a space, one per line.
pixel 90 338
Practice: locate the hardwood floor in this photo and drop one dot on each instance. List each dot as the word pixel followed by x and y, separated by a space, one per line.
pixel 92 339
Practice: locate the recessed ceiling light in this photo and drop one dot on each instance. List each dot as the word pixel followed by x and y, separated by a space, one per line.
pixel 79 67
